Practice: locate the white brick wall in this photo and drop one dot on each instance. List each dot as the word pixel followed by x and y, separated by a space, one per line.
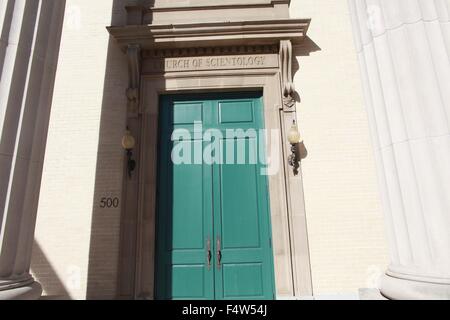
pixel 345 223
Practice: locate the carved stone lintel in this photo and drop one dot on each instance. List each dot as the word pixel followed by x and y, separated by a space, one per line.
pixel 288 87
pixel 134 73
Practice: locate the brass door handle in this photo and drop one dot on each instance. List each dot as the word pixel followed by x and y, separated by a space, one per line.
pixel 219 253
pixel 208 253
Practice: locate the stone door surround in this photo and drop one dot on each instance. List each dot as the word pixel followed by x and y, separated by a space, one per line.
pixel 205 57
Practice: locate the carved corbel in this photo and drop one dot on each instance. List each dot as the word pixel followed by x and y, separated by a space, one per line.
pixel 134 73
pixel 288 86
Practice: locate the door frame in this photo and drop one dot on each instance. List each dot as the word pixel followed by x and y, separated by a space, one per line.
pixel 290 247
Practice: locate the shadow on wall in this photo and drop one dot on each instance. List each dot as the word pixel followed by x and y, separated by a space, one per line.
pixel 42 269
pixel 307 47
pixel 112 251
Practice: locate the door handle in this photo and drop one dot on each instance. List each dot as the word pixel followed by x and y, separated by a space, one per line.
pixel 208 252
pixel 219 253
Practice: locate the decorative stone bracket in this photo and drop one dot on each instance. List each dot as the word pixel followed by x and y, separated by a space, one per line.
pixel 287 83
pixel 134 72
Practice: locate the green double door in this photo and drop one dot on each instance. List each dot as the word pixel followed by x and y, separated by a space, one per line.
pixel 213 221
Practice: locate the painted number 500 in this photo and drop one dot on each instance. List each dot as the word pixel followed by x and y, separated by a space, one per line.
pixel 109 203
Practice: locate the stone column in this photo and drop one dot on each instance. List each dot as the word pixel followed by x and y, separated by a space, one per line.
pixel 30 33
pixel 404 53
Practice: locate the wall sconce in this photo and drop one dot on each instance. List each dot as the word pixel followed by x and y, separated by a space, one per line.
pixel 294 139
pixel 128 143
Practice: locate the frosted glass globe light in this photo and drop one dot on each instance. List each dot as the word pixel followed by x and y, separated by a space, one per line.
pixel 128 141
pixel 294 135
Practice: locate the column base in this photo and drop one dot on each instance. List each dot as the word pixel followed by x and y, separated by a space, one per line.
pixel 30 290
pixel 398 288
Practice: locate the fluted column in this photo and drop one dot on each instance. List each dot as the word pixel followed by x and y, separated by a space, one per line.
pixel 404 53
pixel 29 42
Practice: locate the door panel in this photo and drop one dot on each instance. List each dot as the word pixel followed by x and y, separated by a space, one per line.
pixel 187 113
pixel 184 221
pixel 223 204
pixel 243 281
pixel 236 111
pixel 188 282
pixel 187 210
pixel 242 229
pixel 239 205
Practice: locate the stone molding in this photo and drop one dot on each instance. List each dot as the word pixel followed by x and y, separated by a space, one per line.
pixel 156 13
pixel 216 34
pixel 399 287
pixel 217 6
pixel 208 51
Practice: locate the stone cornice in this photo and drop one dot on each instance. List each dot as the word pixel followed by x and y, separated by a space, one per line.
pixel 267 32
pixel 217 6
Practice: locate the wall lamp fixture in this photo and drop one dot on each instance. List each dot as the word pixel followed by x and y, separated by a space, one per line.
pixel 128 143
pixel 294 139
